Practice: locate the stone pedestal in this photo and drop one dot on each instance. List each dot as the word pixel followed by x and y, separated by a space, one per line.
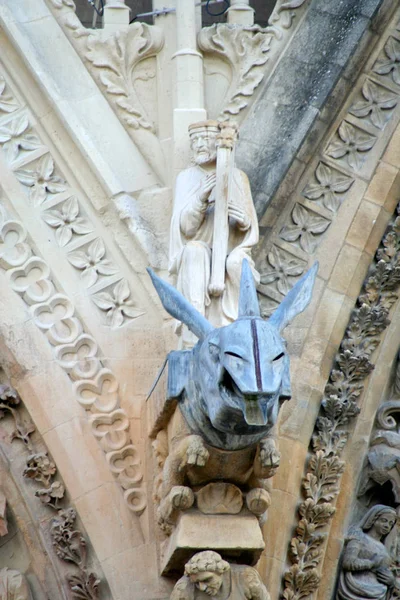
pixel 116 15
pixel 235 537
pixel 240 13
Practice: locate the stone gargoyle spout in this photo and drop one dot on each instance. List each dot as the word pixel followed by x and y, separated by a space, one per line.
pixel 236 377
pixel 229 389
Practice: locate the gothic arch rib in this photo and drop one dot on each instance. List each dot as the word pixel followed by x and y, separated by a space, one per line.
pixel 367 195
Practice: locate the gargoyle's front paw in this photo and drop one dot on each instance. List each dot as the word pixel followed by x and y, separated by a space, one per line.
pixel 182 497
pixel 270 457
pixel 258 501
pixel 196 452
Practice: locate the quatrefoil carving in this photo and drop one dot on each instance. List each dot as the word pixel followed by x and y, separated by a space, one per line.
pixel 100 393
pixel 32 280
pixel 13 249
pixel 111 429
pixel 56 317
pixel 125 464
pixel 79 358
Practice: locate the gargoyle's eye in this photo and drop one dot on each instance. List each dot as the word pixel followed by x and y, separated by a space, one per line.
pixel 278 357
pixel 233 354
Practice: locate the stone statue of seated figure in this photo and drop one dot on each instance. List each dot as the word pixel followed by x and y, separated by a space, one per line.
pixel 192 232
pixel 366 563
pixel 207 574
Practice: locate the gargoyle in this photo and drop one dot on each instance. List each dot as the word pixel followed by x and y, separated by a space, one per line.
pixel 230 388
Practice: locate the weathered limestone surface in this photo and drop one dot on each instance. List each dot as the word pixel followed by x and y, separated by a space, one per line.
pixel 69 160
pixel 332 43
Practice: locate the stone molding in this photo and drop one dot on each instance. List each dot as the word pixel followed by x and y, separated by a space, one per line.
pixel 369 116
pixel 68 542
pixel 75 350
pixel 34 167
pixel 340 406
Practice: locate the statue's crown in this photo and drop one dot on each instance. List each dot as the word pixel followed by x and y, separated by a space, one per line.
pixel 209 125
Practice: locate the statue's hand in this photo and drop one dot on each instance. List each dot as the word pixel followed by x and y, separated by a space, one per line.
pixel 385 576
pixel 196 453
pixel 269 455
pixel 207 187
pixel 216 290
pixel 237 214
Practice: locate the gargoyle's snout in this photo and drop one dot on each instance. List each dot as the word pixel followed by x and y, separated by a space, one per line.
pixel 254 404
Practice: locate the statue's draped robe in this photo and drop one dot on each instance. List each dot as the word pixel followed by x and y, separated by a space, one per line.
pixel 191 243
pixel 357 579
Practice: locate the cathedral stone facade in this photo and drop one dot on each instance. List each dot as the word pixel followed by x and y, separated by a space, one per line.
pixel 199 300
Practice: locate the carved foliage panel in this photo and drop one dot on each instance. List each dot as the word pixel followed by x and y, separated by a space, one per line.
pixel 58 518
pixel 53 312
pixel 346 158
pixel 63 212
pixel 340 406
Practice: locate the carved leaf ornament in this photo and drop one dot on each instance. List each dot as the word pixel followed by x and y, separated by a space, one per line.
pixel 282 270
pixel 67 221
pixel 338 408
pixel 92 262
pixel 69 543
pixel 331 184
pixel 244 48
pixel 283 15
pixel 41 180
pixel 117 57
pixel 15 136
pixel 305 228
pixel 117 304
pixel 377 104
pixel 391 63
pixel 351 143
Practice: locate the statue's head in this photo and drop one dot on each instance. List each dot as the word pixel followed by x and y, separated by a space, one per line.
pixel 205 570
pixel 381 518
pixel 242 370
pixel 203 138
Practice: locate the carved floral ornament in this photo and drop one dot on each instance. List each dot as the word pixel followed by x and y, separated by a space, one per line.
pixel 340 405
pixel 63 213
pixel 114 60
pixel 344 159
pixel 75 350
pixel 68 542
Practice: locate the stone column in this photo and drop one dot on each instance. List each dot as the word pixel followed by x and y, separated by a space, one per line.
pixel 116 15
pixel 240 13
pixel 189 87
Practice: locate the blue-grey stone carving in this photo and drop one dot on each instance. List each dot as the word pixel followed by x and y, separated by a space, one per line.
pixel 230 388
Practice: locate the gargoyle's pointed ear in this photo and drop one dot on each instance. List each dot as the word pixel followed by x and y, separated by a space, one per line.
pixel 248 301
pixel 296 300
pixel 178 307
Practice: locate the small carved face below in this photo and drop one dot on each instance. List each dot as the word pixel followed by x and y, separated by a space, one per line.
pixel 203 145
pixel 208 582
pixel 384 524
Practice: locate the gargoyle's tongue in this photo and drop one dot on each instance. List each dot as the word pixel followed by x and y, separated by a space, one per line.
pixel 253 413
